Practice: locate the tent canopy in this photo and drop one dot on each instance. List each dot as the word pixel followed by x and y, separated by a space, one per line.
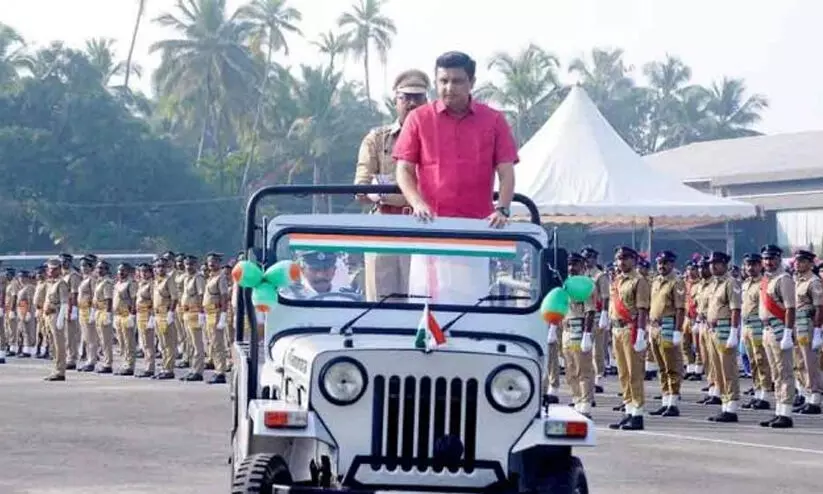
pixel 577 169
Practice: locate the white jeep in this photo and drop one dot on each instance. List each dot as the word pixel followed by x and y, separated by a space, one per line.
pixel 347 394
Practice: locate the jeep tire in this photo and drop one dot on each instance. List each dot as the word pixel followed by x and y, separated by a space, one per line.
pixel 257 474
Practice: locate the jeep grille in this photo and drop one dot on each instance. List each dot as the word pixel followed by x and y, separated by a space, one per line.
pixel 409 415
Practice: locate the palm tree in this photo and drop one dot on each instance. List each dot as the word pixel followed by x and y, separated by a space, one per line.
pixel 731 113
pixel 368 26
pixel 141 7
pixel 690 121
pixel 333 45
pixel 271 20
pixel 102 56
pixel 528 79
pixel 12 55
pixel 667 79
pixel 208 64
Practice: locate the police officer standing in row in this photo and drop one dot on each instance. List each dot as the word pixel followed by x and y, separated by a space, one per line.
pixel 752 334
pixel 386 274
pixel 601 322
pixel 668 302
pixel 809 319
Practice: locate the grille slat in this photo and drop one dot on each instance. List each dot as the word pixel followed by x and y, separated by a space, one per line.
pixel 409 415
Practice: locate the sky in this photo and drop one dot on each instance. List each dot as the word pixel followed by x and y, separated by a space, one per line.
pixel 769 43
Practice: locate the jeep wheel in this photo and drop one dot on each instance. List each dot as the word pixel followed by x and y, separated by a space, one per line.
pixel 259 473
pixel 566 478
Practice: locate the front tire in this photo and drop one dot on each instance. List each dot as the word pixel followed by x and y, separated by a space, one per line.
pixel 259 473
pixel 569 477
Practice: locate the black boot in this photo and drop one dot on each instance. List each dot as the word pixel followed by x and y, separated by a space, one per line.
pixel 810 409
pixel 625 420
pixel 724 417
pixel 659 411
pixel 635 424
pixel 782 422
pixel 672 411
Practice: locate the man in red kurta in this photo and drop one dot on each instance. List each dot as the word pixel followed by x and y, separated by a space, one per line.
pixel 449 150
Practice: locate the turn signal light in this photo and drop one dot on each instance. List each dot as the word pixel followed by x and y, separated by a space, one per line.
pixel 574 430
pixel 281 420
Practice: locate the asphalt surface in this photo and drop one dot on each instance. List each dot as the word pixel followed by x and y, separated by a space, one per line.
pixel 108 434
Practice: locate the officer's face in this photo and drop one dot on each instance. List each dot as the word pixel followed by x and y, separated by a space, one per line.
pixel 160 269
pixel 53 272
pixel 664 267
pixel 190 266
pixel 122 272
pixel 624 263
pixel 802 265
pixel 180 264
pixel 145 273
pixel 753 268
pixel 85 268
pixel 576 268
pixel 771 263
pixel 319 277
pixel 406 102
pixel 719 268
pixel 213 263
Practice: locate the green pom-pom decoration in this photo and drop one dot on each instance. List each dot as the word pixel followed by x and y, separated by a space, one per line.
pixel 555 305
pixel 247 274
pixel 579 288
pixel 264 297
pixel 282 273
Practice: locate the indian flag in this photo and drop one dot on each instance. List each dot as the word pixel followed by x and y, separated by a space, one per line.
pixel 381 244
pixel 429 334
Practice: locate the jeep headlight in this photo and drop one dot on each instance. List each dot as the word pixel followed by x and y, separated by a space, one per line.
pixel 343 381
pixel 509 388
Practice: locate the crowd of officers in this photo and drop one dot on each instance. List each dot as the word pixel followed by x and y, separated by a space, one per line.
pixel 691 325
pixel 171 313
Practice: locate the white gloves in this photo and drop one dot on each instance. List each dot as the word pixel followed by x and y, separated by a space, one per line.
pixel 201 320
pixel 27 318
pixel 61 316
pixel 586 343
pixel 221 322
pixel 603 323
pixel 732 341
pixel 152 322
pixel 552 334
pixel 677 338
pixel 92 315
pixel 73 316
pixel 640 341
pixel 130 321
pixel 786 342
pixel 817 339
pixel 170 317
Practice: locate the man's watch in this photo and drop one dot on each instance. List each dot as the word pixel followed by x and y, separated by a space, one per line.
pixel 503 210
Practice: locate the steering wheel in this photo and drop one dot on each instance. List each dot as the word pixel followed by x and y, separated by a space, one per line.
pixel 338 295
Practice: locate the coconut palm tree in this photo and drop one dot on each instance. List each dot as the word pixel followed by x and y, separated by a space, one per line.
pixel 666 79
pixel 101 54
pixel 731 113
pixel 12 55
pixel 141 8
pixel 332 45
pixel 528 79
pixel 689 121
pixel 208 63
pixel 368 27
pixel 271 20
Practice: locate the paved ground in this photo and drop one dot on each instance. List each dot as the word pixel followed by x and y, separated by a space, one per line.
pixel 108 434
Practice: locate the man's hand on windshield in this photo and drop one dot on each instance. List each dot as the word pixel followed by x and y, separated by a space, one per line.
pixel 422 212
pixel 497 220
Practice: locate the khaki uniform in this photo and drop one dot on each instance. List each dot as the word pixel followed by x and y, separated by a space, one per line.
pixel 703 337
pixel 752 336
pixel 385 274
pixel 229 332
pixel 724 297
pixel 103 318
pixel 181 334
pixel 651 364
pixel 85 310
pixel 217 289
pixel 4 342
pixel 809 296
pixel 779 286
pixel 146 322
pixel 689 327
pixel 9 330
pixel 632 291
pixel 164 298
pixel 57 296
pixel 125 292
pixel 668 296
pixel 26 320
pixel 40 321
pixel 73 279
pixel 579 364
pixel 601 284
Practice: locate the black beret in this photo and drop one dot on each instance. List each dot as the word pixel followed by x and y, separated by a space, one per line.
pixel 770 250
pixel 624 250
pixel 667 255
pixel 718 256
pixel 589 251
pixel 804 254
pixel 752 257
pixel 318 259
pixel 215 255
pixel 66 257
pixel 575 257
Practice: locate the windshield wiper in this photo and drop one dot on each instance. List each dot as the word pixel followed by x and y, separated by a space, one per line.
pixel 347 326
pixel 487 298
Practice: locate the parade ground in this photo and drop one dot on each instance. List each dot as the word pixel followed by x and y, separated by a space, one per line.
pixel 108 434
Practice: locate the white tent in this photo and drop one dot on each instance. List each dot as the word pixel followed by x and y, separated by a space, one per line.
pixel 577 169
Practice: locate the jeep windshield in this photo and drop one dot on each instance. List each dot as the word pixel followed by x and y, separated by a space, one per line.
pixel 455 269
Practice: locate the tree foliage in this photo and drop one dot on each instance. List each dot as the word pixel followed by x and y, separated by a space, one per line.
pixel 90 163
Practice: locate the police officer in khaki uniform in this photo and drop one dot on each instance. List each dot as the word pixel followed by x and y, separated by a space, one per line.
pixel 723 319
pixel 629 302
pixel 690 279
pixel 191 303
pixel 215 304
pixel 809 319
pixel 387 274
pixel 26 320
pixel 578 343
pixel 181 335
pixel 777 311
pixel 164 307
pixel 73 337
pixel 103 300
pixel 146 322
pixel 601 321
pixel 668 307
pixel 56 313
pixel 8 336
pixel 85 312
pixel 705 338
pixel 125 322
pixel 42 349
pixel 752 334
pixel 3 338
